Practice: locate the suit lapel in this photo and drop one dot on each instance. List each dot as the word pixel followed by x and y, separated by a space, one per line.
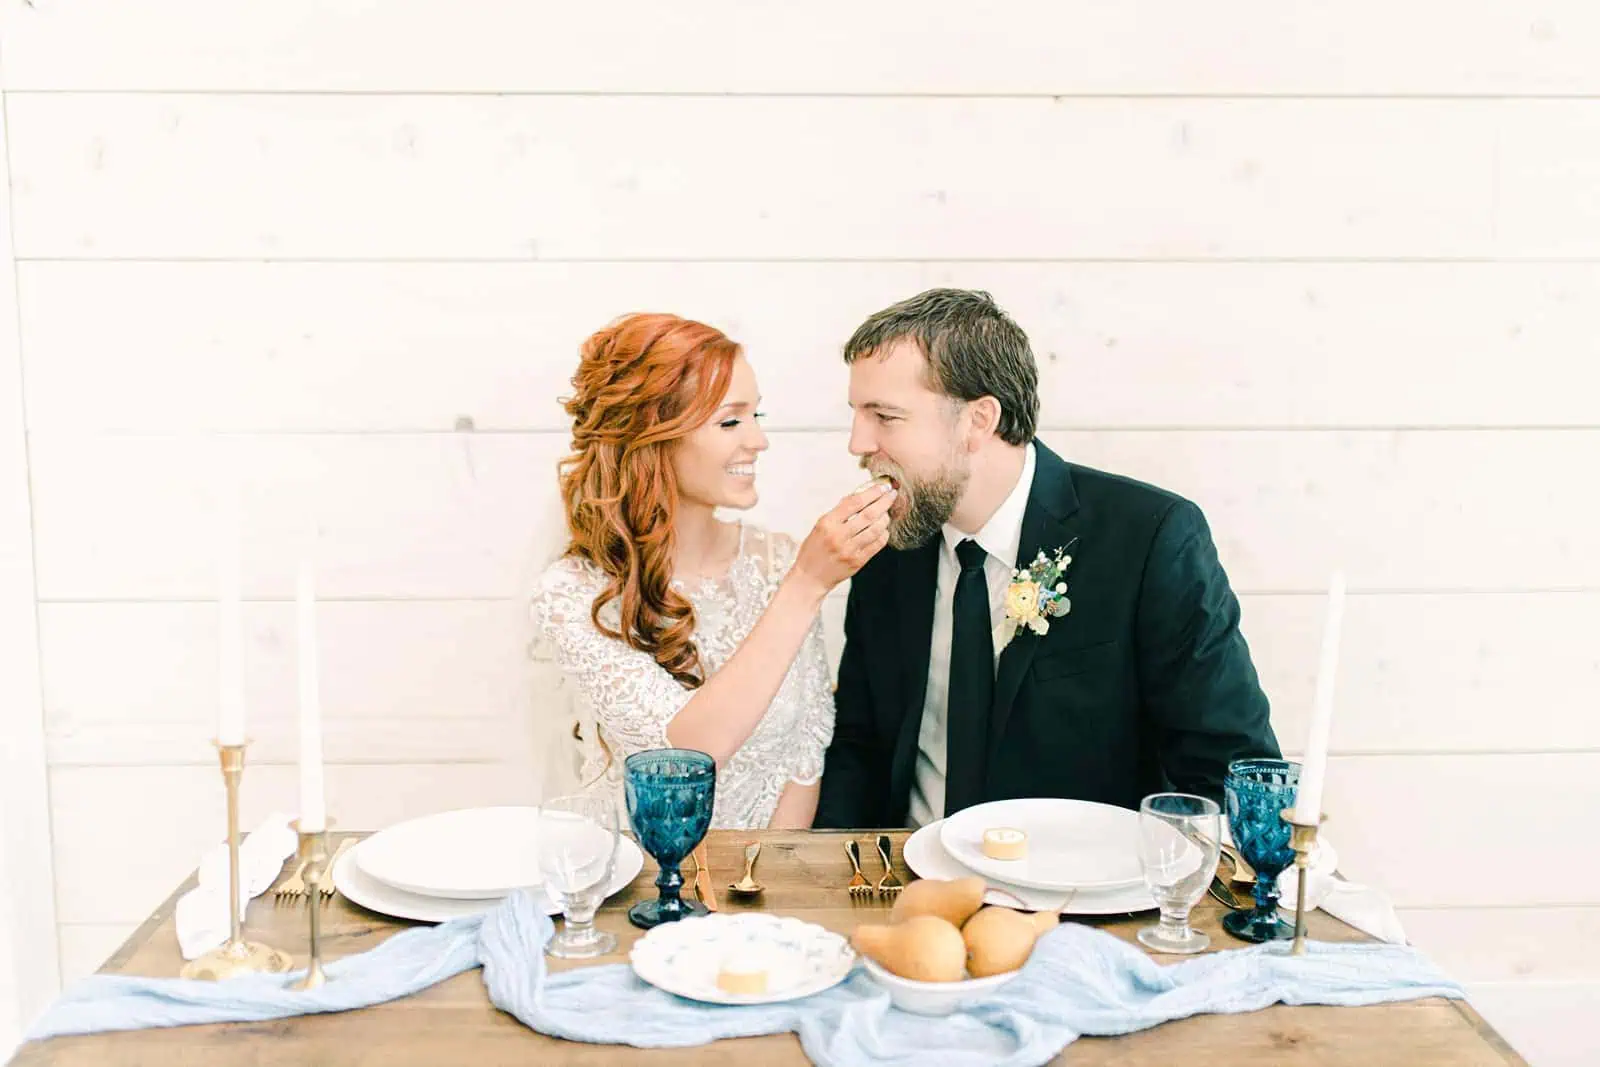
pixel 1045 528
pixel 916 585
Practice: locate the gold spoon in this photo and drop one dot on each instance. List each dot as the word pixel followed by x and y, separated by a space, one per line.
pixel 748 884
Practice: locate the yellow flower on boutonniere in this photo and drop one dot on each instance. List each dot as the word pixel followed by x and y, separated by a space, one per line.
pixel 1022 599
pixel 1036 595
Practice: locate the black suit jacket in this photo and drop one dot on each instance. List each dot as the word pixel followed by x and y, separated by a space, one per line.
pixel 1146 685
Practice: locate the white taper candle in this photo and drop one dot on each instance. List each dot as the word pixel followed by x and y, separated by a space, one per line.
pixel 313 805
pixel 230 626
pixel 1314 765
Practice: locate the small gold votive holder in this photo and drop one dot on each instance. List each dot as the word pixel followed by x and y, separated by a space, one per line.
pixel 314 854
pixel 237 956
pixel 1303 839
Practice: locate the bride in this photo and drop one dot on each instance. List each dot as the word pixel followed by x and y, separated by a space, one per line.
pixel 678 629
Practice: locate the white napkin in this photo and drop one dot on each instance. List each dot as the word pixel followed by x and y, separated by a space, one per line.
pixel 202 913
pixel 1361 906
pixel 1365 908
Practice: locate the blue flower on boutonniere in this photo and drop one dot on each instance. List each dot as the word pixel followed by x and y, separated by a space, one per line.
pixel 1037 594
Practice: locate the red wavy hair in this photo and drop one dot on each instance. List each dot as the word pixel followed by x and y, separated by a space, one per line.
pixel 642 383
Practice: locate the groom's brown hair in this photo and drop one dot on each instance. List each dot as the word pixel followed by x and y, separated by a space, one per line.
pixel 973 349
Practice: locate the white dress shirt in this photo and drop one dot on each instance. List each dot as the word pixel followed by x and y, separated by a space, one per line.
pixel 1000 538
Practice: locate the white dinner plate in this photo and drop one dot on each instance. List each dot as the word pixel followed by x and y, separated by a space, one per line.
pixel 684 957
pixel 1072 844
pixel 926 856
pixel 467 854
pixel 361 888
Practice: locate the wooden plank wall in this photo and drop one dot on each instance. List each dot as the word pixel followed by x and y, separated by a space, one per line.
pixel 1331 271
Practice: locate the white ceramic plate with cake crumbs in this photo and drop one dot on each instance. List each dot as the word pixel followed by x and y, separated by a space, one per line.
pixel 1070 844
pixel 926 856
pixel 742 958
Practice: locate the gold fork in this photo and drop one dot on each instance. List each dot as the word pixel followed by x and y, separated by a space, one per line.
pixel 291 888
pixel 889 885
pixel 859 886
pixel 326 886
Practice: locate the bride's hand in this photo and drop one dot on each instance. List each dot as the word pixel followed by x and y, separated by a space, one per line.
pixel 846 537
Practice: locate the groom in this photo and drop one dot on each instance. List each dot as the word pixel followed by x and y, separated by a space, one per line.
pixel 961 683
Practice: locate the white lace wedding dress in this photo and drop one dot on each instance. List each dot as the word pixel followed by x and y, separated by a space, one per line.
pixel 632 698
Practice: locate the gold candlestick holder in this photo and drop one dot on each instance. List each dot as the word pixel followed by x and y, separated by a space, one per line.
pixel 237 956
pixel 314 854
pixel 1303 839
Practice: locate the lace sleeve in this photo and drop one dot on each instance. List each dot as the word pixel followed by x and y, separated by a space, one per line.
pixel 816 696
pixel 815 685
pixel 630 694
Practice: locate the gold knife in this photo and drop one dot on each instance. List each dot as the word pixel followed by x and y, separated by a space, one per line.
pixel 702 878
pixel 1243 873
pixel 1225 895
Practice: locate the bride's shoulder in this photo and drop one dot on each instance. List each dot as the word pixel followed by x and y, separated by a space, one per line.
pixel 564 592
pixel 568 574
pixel 773 549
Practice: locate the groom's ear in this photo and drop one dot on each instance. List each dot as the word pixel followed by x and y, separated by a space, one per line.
pixel 983 416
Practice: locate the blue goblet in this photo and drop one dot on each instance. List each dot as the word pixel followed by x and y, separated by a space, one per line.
pixel 1257 792
pixel 669 792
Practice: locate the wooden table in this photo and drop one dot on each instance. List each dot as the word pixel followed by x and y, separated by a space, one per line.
pixel 805 874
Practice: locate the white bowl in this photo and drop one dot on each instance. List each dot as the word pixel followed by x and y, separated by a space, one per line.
pixel 935 998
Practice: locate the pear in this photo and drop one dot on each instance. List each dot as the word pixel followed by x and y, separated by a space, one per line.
pixel 953 900
pixel 923 948
pixel 1001 939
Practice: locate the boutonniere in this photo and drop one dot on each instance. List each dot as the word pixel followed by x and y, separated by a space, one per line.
pixel 1037 594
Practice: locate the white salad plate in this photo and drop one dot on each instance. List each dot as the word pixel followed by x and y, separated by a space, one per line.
pixel 1071 845
pixel 926 856
pixel 361 888
pixel 469 853
pixel 685 957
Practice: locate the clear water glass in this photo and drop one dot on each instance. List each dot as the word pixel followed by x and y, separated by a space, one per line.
pixel 1179 842
pixel 577 856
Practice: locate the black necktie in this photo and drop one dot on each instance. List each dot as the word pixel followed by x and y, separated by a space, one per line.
pixel 971 683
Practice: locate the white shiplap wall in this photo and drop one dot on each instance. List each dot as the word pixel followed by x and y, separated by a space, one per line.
pixel 29 961
pixel 1332 271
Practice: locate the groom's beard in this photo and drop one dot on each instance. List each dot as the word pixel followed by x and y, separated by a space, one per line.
pixel 929 505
